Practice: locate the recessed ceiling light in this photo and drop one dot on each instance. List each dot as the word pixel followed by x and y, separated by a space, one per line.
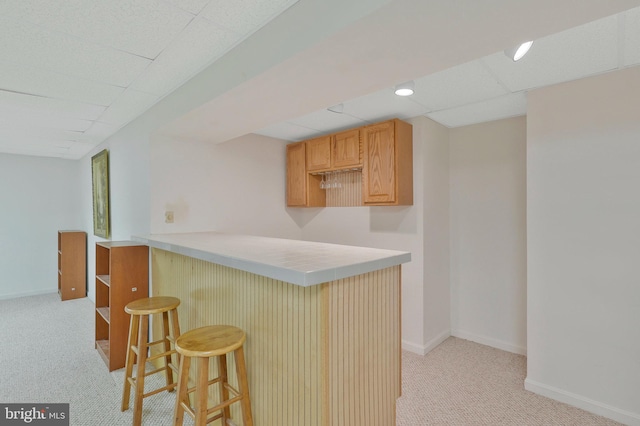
pixel 517 53
pixel 405 89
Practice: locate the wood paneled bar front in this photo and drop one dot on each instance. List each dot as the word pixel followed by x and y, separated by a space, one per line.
pixel 322 320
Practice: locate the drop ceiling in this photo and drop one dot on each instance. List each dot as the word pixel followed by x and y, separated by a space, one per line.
pixel 73 73
pixel 489 88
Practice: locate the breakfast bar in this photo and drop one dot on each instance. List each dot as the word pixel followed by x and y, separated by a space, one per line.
pixel 322 320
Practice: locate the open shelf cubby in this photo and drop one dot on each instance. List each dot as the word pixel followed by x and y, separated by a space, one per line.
pixel 122 276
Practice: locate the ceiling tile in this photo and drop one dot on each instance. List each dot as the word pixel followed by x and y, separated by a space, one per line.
pixel 494 109
pixel 460 85
pixel 37 147
pixel 98 132
pixel 287 131
pixel 569 55
pixel 631 37
pixel 383 105
pixel 141 27
pixel 197 46
pixel 129 105
pixel 191 6
pixel 17 132
pixel 29 104
pixel 23 79
pixel 245 16
pixel 23 118
pixel 78 150
pixel 322 120
pixel 28 44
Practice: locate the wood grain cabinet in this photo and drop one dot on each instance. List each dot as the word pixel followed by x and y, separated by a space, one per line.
pixel 318 154
pixel 334 152
pixel 382 151
pixel 72 264
pixel 303 189
pixel 346 150
pixel 122 276
pixel 387 173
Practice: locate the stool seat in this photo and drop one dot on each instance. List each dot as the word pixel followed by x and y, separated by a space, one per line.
pixel 152 305
pixel 209 341
pixel 202 344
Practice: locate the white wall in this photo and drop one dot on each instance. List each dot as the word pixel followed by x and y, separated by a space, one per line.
pixel 129 190
pixel 233 187
pixel 39 196
pixel 583 217
pixel 434 175
pixel 488 233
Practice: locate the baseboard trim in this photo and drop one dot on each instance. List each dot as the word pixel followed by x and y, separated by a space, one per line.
pixel 488 341
pixel 613 413
pixel 26 294
pixel 428 347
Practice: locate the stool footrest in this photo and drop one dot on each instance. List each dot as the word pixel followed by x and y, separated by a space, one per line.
pixel 209 383
pixel 132 381
pixel 188 409
pixel 236 396
pixel 157 370
pixel 157 342
pixel 162 355
pixel 224 404
pixel 170 387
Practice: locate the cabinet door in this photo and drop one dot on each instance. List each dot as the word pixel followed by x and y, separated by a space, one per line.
pixel 378 172
pixel 296 175
pixel 346 149
pixel 319 153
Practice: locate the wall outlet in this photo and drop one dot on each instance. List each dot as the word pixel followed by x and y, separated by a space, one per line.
pixel 168 217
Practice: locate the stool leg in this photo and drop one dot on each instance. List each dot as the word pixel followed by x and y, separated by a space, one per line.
pixel 142 360
pixel 224 392
pixel 131 356
pixel 243 386
pixel 202 392
pixel 182 396
pixel 167 347
pixel 176 330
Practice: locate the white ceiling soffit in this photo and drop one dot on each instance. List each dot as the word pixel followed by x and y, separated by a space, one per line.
pixel 75 71
pixel 492 87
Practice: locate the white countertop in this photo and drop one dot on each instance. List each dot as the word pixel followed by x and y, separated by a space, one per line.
pixel 304 263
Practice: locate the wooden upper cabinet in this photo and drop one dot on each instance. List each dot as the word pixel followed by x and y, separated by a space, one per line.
pixel 334 152
pixel 384 152
pixel 319 153
pixel 347 150
pixel 303 189
pixel 296 175
pixel 387 173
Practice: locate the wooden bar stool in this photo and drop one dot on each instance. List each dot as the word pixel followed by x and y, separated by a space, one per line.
pixel 203 343
pixel 140 311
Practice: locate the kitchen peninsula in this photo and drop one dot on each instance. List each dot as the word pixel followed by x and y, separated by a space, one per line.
pixel 322 320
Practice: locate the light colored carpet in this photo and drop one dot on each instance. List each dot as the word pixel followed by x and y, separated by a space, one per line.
pixel 47 353
pixel 465 383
